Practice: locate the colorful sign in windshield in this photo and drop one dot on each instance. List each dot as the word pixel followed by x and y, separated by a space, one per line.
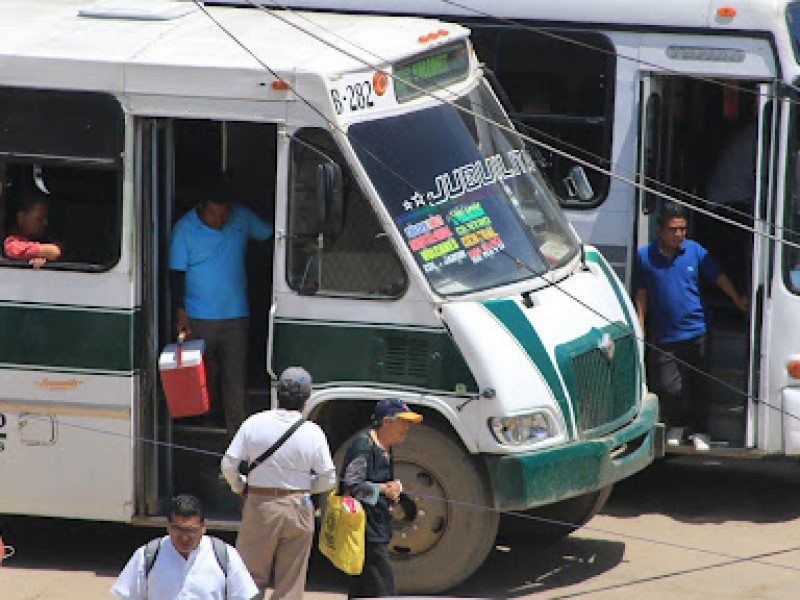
pixel 464 231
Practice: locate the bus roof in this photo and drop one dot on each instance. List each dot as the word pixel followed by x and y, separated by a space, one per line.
pixel 750 14
pixel 51 44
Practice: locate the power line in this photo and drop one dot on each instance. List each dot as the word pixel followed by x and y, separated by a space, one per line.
pixel 546 146
pixel 714 379
pixel 449 501
pixel 548 32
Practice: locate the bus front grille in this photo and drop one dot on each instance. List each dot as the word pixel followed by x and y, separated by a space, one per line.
pixel 602 382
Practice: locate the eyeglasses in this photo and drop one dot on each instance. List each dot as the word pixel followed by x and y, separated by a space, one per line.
pixel 186 530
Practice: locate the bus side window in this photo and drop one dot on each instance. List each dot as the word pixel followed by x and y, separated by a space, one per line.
pixel 358 260
pixel 560 93
pixel 84 212
pixel 66 146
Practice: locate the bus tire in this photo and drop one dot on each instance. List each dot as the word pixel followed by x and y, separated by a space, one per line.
pixel 573 513
pixel 437 544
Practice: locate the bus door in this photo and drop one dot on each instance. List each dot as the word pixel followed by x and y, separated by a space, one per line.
pixel 698 144
pixel 339 279
pixel 654 134
pixel 182 161
pixel 757 435
pixel 779 422
pixel 155 173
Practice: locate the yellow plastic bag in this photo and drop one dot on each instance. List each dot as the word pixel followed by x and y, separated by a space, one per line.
pixel 341 537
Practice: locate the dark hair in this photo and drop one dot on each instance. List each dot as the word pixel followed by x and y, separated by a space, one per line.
pixel 291 396
pixel 186 505
pixel 31 199
pixel 669 211
pixel 216 192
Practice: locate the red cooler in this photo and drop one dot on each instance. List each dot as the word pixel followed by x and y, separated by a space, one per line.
pixel 183 377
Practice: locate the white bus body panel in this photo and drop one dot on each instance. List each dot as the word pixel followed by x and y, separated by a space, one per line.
pixel 66 434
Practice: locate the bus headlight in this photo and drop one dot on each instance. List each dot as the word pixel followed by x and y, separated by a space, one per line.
pixel 522 429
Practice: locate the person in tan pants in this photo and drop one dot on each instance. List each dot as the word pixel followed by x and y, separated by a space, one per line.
pixel 278 516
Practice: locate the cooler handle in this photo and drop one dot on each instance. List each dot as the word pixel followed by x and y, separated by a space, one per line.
pixel 179 349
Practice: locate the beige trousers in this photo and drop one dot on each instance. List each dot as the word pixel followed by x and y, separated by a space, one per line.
pixel 275 537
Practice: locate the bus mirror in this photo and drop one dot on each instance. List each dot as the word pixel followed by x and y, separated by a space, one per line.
pixel 578 186
pixel 330 201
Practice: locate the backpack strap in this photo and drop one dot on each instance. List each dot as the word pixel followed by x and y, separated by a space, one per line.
pixel 221 554
pixel 150 555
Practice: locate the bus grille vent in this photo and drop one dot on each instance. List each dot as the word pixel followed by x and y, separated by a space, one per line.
pixel 605 390
pixel 407 359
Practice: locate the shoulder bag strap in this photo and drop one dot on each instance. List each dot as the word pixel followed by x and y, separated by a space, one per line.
pixel 275 446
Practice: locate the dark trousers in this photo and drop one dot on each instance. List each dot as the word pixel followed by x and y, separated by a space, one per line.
pixel 682 391
pixel 377 578
pixel 226 365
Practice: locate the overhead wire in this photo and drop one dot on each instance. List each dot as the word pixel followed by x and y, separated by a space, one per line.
pixel 216 454
pixel 502 126
pixel 545 31
pixel 529 516
pixel 723 83
pixel 548 32
pixel 539 143
pixel 584 304
pixel 453 502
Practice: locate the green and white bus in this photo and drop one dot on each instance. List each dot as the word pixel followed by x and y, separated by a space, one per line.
pixel 696 99
pixel 418 253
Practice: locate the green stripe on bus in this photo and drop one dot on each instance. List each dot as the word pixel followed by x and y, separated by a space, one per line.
pixel 595 257
pixel 509 314
pixel 334 354
pixel 78 339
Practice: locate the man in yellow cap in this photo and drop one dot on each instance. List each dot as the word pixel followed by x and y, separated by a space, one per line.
pixel 369 476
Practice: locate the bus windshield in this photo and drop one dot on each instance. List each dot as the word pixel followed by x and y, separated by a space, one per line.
pixel 466 195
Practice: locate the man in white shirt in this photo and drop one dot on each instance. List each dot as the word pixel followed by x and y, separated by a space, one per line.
pixel 185 563
pixel 278 516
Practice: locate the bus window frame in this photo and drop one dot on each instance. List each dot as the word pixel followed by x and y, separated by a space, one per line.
pixel 790 256
pixel 605 121
pixel 337 154
pixel 72 266
pixel 64 129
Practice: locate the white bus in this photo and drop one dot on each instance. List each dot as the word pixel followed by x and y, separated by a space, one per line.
pixel 418 253
pixel 698 99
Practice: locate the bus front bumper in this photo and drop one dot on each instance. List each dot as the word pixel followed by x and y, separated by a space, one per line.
pixel 523 481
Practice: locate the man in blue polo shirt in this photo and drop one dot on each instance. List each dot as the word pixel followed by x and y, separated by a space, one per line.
pixel 209 291
pixel 668 273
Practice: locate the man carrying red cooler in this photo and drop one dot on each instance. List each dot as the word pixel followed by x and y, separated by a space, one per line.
pixel 209 291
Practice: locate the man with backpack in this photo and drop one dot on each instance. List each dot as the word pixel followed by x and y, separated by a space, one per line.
pixel 186 563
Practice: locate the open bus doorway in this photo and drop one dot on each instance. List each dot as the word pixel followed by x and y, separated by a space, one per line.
pixel 188 157
pixel 699 143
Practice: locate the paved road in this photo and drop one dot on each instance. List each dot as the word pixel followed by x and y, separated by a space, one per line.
pixel 682 529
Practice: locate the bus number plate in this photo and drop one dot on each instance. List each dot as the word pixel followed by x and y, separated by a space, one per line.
pixel 356 93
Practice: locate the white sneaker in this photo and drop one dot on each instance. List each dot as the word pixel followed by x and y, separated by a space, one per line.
pixel 674 436
pixel 702 442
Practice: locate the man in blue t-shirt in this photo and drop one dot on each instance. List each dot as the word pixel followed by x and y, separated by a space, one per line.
pixel 209 291
pixel 668 273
